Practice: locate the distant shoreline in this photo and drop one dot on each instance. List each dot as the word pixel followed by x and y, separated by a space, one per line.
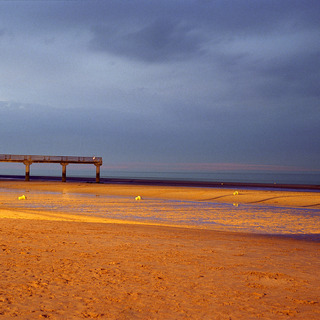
pixel 173 182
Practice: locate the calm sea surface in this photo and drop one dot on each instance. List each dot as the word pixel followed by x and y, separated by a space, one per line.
pixel 295 178
pixel 243 177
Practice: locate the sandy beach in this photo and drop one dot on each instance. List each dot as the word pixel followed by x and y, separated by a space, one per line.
pixel 78 250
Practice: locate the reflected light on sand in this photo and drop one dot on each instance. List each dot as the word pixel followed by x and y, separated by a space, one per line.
pixel 207 215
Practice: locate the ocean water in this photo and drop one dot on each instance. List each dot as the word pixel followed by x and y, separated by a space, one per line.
pixel 88 171
pixel 241 177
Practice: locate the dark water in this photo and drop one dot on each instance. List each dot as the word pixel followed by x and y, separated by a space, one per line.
pixel 240 177
pixel 210 179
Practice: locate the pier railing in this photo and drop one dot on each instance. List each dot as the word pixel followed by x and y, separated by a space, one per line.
pixel 27 160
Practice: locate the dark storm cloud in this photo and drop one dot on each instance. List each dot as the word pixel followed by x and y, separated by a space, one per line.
pixel 232 18
pixel 184 81
pixel 295 75
pixel 188 29
pixel 72 131
pixel 161 40
pixel 171 137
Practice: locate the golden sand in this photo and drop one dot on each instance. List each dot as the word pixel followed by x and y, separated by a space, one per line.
pixel 60 262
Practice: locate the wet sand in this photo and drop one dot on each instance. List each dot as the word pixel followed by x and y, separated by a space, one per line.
pixel 225 195
pixel 64 265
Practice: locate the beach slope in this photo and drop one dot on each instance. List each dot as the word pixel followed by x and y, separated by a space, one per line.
pixel 81 269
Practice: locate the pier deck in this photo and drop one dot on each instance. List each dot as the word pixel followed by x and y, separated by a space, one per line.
pixel 27 160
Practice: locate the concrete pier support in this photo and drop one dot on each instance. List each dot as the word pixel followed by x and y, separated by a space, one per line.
pixel 64 171
pixel 27 164
pixel 97 173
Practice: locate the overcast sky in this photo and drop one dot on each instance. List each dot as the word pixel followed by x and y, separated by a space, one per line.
pixel 163 84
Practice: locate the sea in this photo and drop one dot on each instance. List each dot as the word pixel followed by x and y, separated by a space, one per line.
pixel 238 177
pixel 219 178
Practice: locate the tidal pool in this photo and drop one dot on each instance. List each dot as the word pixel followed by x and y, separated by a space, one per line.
pixel 207 215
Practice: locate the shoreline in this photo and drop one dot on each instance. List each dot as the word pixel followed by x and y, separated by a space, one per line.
pixel 289 214
pixel 279 198
pixel 171 182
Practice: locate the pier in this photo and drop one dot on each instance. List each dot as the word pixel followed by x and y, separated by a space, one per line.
pixel 27 160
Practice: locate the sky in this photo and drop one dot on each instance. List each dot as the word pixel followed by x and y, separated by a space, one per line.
pixel 163 85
